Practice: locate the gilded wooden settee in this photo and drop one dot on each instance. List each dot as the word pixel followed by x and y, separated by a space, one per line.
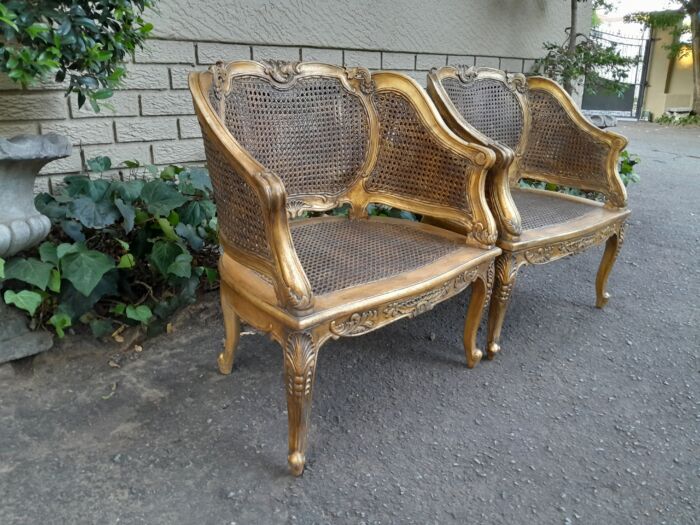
pixel 284 138
pixel 536 132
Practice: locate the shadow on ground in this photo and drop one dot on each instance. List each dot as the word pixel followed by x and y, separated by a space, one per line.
pixel 587 416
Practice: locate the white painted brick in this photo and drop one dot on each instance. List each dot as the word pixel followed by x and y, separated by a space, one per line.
pixel 418 76
pixel 121 104
pixel 144 129
pixel 41 185
pixel 10 129
pixel 212 53
pixel 512 65
pixel 460 60
pixel 7 83
pixel 428 62
pixel 146 76
pixel 528 65
pixel 83 131
pixel 70 164
pixel 487 62
pixel 166 52
pixel 167 103
pixel 35 106
pixel 275 53
pixel 178 76
pixel 398 61
pixel 327 56
pixel 139 151
pixel 191 150
pixel 189 128
pixel 368 59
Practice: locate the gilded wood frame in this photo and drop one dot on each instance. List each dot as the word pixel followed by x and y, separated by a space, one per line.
pixel 275 296
pixel 605 223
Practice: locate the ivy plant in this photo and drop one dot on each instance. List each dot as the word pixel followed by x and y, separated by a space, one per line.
pixel 120 252
pixel 81 41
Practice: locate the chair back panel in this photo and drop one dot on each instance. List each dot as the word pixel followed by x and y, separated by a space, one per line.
pixel 310 130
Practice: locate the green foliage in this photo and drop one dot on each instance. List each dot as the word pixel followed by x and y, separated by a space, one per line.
pixel 685 120
pixel 83 41
pixel 625 168
pixel 601 65
pixel 670 20
pixel 119 253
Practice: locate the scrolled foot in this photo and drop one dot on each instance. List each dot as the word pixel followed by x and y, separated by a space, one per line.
pixel 474 357
pixel 492 350
pixel 225 362
pixel 296 462
pixel 602 300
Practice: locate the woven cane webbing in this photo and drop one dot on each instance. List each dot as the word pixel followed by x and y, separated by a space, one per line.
pixel 545 208
pixel 490 106
pixel 556 145
pixel 238 209
pixel 411 163
pixel 340 254
pixel 313 135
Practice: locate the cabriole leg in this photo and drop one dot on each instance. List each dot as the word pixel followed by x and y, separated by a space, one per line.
pixel 471 323
pixel 506 271
pixel 232 324
pixel 300 355
pixel 612 248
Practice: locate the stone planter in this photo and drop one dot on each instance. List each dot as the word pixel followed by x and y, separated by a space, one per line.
pixel 21 158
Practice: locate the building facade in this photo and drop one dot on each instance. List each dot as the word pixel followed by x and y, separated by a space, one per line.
pixel 152 120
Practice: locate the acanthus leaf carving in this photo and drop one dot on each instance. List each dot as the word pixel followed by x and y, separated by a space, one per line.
pixel 300 362
pixel 357 324
pixel 281 71
pixel 561 249
pixel 363 76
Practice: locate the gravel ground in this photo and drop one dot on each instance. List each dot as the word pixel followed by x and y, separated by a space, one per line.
pixel 586 416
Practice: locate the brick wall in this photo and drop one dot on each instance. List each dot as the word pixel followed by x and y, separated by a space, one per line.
pixel 152 119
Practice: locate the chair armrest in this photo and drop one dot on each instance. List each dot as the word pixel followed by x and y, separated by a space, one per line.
pixel 565 148
pixel 422 166
pixel 251 206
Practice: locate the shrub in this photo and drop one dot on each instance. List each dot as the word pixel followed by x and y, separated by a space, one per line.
pixel 119 253
pixel 685 120
pixel 84 42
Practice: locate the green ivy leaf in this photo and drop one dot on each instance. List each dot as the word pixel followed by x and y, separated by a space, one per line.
pixel 100 164
pixel 161 198
pixel 197 212
pixel 163 255
pixel 2 268
pixel 47 253
pixel 187 232
pixel 126 261
pixel 128 214
pixel 55 281
pixel 212 275
pixel 118 309
pixel 94 214
pixel 182 266
pixel 65 248
pixel 140 313
pixel 24 300
pixel 167 229
pixel 31 271
pixel 85 268
pixel 128 191
pixel 60 321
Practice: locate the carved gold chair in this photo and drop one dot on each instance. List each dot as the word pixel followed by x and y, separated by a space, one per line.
pixel 536 132
pixel 282 139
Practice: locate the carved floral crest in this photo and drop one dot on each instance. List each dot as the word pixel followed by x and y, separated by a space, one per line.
pixel 364 76
pixel 218 72
pixel 281 71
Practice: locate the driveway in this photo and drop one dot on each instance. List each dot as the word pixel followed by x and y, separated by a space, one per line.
pixel 587 416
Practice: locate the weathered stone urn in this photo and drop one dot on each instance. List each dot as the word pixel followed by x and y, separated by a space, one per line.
pixel 21 158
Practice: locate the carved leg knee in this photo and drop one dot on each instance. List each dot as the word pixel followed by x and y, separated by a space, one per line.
pixel 232 324
pixel 300 356
pixel 471 323
pixel 612 249
pixel 506 272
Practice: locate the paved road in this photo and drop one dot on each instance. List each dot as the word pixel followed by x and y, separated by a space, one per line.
pixel 586 417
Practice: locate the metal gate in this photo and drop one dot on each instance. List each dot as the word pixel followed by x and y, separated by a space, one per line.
pixel 630 103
